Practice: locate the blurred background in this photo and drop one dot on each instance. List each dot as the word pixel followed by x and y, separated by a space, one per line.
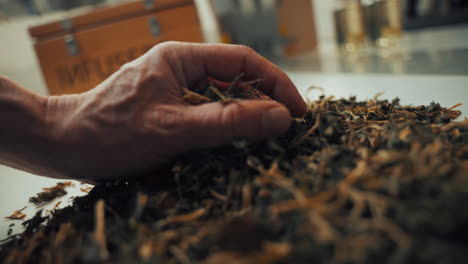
pixel 413 49
pixel 44 43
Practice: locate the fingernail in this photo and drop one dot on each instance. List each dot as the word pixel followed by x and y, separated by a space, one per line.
pixel 276 121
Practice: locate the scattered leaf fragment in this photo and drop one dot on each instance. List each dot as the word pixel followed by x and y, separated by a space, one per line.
pixel 17 214
pixel 51 193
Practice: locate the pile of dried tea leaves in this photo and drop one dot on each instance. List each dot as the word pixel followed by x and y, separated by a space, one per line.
pixel 351 182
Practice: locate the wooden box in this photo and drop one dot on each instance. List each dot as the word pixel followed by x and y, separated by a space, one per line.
pixel 298 24
pixel 77 54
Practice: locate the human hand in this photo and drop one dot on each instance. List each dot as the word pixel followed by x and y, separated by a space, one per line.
pixel 136 120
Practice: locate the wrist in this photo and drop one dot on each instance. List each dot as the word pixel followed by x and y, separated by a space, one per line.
pixel 56 135
pixel 22 112
pixel 30 133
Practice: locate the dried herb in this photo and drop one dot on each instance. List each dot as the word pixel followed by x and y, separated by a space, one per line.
pixel 49 194
pixel 351 182
pixel 87 189
pixel 17 214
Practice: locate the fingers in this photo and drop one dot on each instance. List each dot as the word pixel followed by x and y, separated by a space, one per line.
pixel 215 124
pixel 225 62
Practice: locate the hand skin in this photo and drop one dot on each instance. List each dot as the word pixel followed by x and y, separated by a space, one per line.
pixel 136 120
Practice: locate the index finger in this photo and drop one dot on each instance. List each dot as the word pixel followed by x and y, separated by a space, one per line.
pixel 225 62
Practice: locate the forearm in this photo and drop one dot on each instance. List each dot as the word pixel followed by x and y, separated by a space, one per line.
pixel 24 128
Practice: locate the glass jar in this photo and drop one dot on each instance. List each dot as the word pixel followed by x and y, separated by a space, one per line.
pixel 391 23
pixel 383 21
pixel 350 27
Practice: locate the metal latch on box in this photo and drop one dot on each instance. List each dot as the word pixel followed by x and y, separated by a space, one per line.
pixel 71 44
pixel 67 24
pixel 154 26
pixel 148 4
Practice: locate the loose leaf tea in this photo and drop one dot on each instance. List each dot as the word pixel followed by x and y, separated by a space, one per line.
pixel 351 182
pixel 17 214
pixel 51 193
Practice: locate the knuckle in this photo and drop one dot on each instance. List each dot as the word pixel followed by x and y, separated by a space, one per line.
pixel 248 53
pixel 229 117
pixel 247 50
pixel 148 80
pixel 166 46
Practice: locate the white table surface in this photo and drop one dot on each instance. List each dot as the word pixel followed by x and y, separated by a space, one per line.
pixel 447 90
pixel 16 187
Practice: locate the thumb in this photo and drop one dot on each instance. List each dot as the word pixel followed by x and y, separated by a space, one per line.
pixel 216 124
